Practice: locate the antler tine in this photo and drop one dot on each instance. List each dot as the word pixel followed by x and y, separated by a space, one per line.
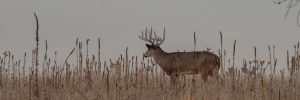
pixel 142 33
pixel 150 31
pixel 147 36
pixel 141 37
pixel 155 36
pixel 151 37
pixel 146 33
pixel 164 37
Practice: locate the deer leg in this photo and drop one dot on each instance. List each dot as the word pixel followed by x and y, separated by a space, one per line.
pixel 214 73
pixel 174 79
pixel 204 76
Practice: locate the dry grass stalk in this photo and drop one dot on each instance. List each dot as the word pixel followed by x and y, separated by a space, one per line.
pixel 131 78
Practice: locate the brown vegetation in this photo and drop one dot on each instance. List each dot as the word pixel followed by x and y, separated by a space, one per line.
pixel 130 78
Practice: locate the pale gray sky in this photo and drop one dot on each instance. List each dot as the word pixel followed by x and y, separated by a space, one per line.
pixel 119 22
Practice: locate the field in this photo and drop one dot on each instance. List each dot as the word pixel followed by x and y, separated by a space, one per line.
pixel 135 78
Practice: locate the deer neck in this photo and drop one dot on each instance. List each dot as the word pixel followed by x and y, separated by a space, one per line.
pixel 160 57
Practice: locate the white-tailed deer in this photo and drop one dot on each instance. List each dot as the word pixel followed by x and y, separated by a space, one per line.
pixel 178 63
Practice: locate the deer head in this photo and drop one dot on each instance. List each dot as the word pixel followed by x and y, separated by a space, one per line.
pixel 154 40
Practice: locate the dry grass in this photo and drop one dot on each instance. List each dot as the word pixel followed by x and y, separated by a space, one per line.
pixel 133 78
pixel 130 78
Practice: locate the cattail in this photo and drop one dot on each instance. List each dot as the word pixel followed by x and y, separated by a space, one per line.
pixel 19 75
pixel 45 61
pixel 13 71
pixel 99 60
pixel 126 68
pixel 234 45
pixel 67 72
pixel 1 69
pixel 233 70
pixel 288 60
pixel 224 58
pixel 136 71
pixel 195 41
pixel 107 83
pixel 274 59
pixel 221 52
pixel 80 60
pixel 270 58
pixel 77 55
pixel 36 92
pixel 255 59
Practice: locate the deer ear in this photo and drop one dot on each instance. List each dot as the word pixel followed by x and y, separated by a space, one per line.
pixel 148 46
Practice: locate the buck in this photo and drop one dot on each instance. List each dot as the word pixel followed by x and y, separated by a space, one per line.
pixel 178 63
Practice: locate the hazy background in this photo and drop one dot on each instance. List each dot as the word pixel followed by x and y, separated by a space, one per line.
pixel 118 23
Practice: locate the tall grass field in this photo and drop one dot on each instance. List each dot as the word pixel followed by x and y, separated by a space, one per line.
pixel 136 78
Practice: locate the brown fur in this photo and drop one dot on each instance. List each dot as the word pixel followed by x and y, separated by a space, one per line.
pixel 178 63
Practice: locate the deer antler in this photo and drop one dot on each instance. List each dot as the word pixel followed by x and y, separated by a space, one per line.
pixel 151 37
